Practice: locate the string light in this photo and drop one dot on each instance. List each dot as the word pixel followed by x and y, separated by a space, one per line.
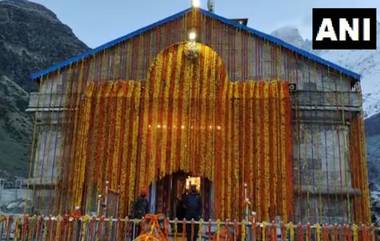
pixel 192 50
pixel 192 35
pixel 164 126
pixel 196 3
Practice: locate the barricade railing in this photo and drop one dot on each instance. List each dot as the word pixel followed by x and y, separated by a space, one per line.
pixel 86 228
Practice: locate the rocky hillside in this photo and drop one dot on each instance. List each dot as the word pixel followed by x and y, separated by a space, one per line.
pixel 293 36
pixel 31 38
pixel 15 128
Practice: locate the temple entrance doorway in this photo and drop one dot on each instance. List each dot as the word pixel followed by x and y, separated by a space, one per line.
pixel 166 194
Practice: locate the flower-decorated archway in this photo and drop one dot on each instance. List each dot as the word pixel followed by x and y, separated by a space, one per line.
pixel 187 116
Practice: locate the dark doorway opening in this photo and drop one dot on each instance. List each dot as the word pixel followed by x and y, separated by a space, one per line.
pixel 166 194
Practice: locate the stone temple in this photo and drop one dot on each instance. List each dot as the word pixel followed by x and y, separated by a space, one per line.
pixel 202 99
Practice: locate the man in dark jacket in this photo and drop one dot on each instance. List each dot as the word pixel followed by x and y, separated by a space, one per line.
pixel 140 206
pixel 139 209
pixel 192 203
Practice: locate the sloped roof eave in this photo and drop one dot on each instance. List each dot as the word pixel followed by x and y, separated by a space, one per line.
pixel 176 16
pixel 91 52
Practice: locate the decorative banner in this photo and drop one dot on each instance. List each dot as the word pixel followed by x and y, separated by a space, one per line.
pixel 187 116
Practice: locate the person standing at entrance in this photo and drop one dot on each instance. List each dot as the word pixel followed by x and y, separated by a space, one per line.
pixel 139 210
pixel 141 205
pixel 192 204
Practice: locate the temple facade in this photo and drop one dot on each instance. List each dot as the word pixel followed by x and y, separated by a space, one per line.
pixel 238 112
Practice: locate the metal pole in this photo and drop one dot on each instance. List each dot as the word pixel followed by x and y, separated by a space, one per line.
pixel 99 205
pixel 106 199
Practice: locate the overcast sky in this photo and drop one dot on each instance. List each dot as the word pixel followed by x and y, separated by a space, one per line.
pixel 99 21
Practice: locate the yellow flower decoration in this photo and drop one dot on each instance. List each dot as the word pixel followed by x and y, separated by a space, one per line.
pixel 264 231
pixel 355 232
pixel 200 229
pixel 318 231
pixel 85 219
pixel 17 229
pixel 291 231
pixel 58 230
pixel 217 229
pixel 243 231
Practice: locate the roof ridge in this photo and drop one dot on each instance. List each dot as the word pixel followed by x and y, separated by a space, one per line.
pixel 284 44
pixel 268 37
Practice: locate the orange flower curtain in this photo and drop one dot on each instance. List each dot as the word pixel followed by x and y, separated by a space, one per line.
pixel 358 160
pixel 187 116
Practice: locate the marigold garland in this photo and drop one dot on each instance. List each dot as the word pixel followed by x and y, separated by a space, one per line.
pixel 187 117
pixel 17 233
pixel 358 161
pixel 355 232
pixel 263 231
pixel 243 231
pixel 291 231
pixel 318 232
pixel 58 233
pixel 325 233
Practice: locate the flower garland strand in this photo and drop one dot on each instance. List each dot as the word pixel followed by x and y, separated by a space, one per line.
pixel 187 118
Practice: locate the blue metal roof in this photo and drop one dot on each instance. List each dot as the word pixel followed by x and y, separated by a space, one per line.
pixel 110 44
pixel 174 17
pixel 284 44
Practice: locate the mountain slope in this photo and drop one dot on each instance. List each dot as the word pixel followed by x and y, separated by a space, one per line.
pixel 31 38
pixel 292 35
pixel 15 127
